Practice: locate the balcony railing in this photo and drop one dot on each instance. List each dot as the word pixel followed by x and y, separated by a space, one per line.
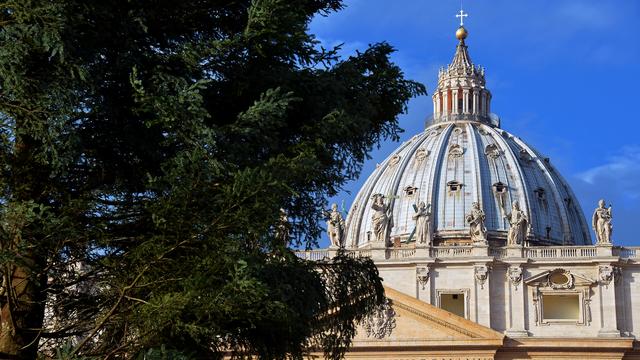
pixel 498 253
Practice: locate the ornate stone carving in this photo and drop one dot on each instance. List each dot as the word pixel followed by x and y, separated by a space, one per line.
pixel 381 322
pixel 455 151
pixel 518 225
pixel 492 151
pixel 335 227
pixel 481 273
pixel 423 230
pixel 587 309
pixel 381 219
pixel 606 273
pixel 475 219
pixel 394 160
pixel 601 223
pixel 560 279
pixel 422 154
pixel 514 275
pixel 422 275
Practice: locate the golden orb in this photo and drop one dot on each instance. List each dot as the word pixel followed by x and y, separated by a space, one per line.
pixel 461 33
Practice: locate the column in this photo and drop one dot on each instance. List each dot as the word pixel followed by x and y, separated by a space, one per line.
pixel 454 101
pixel 465 101
pixel 484 104
pixel 445 103
pixel 476 102
pixel 435 106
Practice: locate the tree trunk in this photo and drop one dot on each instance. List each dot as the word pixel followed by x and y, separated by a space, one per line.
pixel 23 299
pixel 22 315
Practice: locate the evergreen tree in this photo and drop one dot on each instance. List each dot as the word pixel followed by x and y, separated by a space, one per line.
pixel 146 149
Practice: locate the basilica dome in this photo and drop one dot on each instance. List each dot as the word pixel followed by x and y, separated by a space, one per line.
pixel 464 157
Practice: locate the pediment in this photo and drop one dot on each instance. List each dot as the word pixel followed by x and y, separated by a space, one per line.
pixel 559 279
pixel 420 324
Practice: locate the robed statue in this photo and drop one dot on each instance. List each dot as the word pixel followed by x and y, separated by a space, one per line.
pixel 422 218
pixel 601 223
pixel 475 219
pixel 517 225
pixel 381 219
pixel 283 227
pixel 335 226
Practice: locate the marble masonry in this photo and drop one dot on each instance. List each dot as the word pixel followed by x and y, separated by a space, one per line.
pixel 483 247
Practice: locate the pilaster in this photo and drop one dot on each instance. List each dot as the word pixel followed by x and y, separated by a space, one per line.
pixel 482 300
pixel 516 306
pixel 606 289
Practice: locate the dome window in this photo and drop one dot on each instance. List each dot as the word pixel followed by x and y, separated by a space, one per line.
pixel 539 193
pixel 492 151
pixel 454 186
pixel 524 155
pixel 410 190
pixel 455 151
pixel 499 188
pixel 394 160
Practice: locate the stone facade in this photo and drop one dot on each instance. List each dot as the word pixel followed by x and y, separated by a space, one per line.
pixel 504 290
pixel 504 266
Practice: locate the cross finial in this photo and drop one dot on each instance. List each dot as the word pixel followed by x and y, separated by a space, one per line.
pixel 462 15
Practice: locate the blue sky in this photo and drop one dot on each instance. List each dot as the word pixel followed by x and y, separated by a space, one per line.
pixel 563 73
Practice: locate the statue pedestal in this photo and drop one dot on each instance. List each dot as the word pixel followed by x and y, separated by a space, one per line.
pixel 604 250
pixel 423 251
pixel 332 251
pixel 378 251
pixel 480 250
pixel 514 251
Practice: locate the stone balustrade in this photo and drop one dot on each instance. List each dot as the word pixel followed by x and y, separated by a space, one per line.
pixel 452 252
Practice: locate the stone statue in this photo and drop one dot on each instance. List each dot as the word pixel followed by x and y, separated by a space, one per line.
pixel 423 224
pixel 335 226
pixel 601 223
pixel 517 225
pixel 282 229
pixel 475 219
pixel 381 219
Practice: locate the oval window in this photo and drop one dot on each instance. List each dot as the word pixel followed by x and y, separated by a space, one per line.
pixel 559 278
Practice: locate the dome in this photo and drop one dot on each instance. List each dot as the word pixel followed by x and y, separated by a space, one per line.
pixel 461 158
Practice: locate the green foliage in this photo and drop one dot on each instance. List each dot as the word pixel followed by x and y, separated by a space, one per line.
pixel 146 149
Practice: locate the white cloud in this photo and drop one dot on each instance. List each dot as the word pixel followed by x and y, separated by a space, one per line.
pixel 620 172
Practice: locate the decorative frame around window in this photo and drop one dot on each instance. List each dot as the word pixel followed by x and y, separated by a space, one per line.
pixel 584 306
pixel 454 186
pixel 560 282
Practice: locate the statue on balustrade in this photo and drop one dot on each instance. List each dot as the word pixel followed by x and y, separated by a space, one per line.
pixel 517 225
pixel 283 227
pixel 382 219
pixel 422 217
pixel 335 226
pixel 476 219
pixel 601 223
